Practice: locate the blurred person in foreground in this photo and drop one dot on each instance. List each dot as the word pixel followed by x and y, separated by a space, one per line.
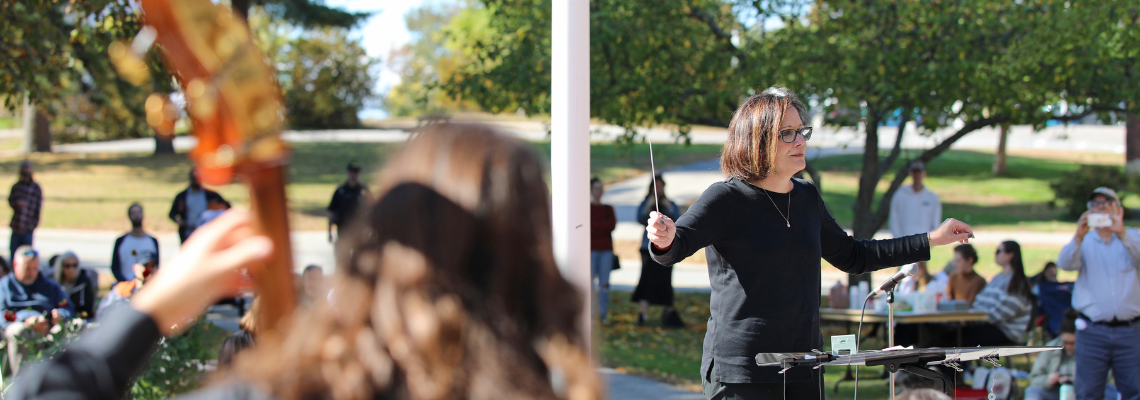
pixel 1054 368
pixel 764 235
pixel 1107 295
pixel 32 305
pixel 446 289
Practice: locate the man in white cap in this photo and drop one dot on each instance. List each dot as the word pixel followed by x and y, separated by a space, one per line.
pixel 1107 295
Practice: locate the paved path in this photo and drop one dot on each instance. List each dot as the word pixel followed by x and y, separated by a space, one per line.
pixel 629 387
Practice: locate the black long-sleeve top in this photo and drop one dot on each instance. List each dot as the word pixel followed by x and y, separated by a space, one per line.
pixel 765 276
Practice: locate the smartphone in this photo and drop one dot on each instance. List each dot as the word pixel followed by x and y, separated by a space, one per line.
pixel 1099 220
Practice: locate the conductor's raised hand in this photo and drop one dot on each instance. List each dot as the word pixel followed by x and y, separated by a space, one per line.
pixel 951 231
pixel 208 268
pixel 660 230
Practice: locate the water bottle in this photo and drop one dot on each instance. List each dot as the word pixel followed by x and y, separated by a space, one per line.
pixel 1067 392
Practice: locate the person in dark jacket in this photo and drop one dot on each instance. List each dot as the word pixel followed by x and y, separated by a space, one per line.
pixel 346 200
pixel 31 304
pixel 77 284
pixel 453 293
pixel 190 203
pixel 26 199
pixel 655 285
pixel 128 247
pixel 764 234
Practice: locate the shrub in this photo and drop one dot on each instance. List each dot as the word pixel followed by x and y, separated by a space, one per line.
pixel 176 366
pixel 1072 190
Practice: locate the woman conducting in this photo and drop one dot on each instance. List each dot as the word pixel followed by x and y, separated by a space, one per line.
pixel 764 234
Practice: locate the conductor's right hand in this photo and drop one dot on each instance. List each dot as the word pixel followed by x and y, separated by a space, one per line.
pixel 660 230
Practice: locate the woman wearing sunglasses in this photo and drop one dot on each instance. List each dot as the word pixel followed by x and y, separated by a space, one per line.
pixel 79 286
pixel 764 233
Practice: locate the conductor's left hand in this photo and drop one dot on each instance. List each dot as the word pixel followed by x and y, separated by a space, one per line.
pixel 207 269
pixel 951 231
pixel 660 230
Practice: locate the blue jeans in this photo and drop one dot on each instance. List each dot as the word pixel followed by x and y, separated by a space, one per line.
pixel 1100 348
pixel 601 263
pixel 18 239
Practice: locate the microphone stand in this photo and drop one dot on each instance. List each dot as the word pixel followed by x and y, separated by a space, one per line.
pixel 891 331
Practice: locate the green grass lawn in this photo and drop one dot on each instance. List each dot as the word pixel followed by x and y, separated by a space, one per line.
pixel 92 191
pixel 968 190
pixel 674 355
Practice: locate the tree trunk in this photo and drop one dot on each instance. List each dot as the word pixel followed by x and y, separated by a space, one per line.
pixel 999 158
pixel 1132 141
pixel 163 144
pixel 29 123
pixel 241 9
pixel 863 225
pixel 815 176
pixel 41 141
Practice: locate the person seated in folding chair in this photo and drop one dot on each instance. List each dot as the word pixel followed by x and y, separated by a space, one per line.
pixel 1055 368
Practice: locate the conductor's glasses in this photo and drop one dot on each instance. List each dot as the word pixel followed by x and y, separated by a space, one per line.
pixel 789 135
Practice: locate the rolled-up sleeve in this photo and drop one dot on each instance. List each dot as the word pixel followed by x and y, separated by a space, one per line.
pixel 1132 244
pixel 1070 257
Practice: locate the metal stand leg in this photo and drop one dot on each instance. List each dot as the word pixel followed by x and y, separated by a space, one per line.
pixel 891 332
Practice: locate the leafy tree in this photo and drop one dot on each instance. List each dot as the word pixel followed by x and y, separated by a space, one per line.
pixel 55 53
pixel 424 62
pixel 327 79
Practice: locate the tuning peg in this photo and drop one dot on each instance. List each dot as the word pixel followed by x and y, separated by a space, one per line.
pixel 161 113
pixel 128 59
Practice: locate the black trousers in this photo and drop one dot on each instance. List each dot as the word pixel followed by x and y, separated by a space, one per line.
pixel 807 390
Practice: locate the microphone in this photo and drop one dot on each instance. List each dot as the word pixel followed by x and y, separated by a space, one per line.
pixel 905 271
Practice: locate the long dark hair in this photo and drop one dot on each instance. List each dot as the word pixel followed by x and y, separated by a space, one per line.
pixel 652 189
pixel 446 288
pixel 1019 283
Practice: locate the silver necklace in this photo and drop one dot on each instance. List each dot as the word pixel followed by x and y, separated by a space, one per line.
pixel 778 208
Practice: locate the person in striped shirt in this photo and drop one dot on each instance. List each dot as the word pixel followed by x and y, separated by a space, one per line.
pixel 1007 299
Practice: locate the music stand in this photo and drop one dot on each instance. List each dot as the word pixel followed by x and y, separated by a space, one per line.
pixel 914 361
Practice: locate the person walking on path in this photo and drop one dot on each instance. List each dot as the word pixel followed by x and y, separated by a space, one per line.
pixel 346 199
pixel 1107 295
pixel 603 220
pixel 764 234
pixel 26 199
pixel 130 246
pixel 655 286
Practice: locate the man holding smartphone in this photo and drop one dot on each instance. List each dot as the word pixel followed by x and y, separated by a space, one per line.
pixel 1107 295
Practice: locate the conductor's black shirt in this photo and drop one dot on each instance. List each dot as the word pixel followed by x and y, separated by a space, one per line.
pixel 765 276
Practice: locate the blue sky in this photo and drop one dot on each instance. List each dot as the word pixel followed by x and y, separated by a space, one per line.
pixel 384 31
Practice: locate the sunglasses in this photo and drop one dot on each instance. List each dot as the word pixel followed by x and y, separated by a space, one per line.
pixel 30 254
pixel 998 251
pixel 70 265
pixel 1097 203
pixel 789 135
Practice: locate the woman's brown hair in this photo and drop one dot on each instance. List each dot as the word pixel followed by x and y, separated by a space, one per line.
pixel 750 149
pixel 447 288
